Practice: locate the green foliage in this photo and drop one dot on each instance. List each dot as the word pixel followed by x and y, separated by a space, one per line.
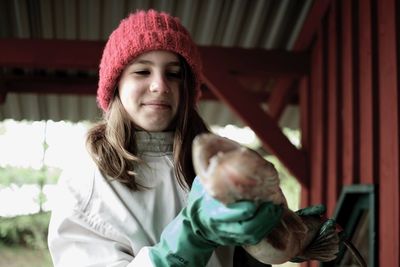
pixel 26 230
pixel 21 256
pixel 18 175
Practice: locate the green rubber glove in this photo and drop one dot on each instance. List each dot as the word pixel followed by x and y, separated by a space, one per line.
pixel 316 210
pixel 206 223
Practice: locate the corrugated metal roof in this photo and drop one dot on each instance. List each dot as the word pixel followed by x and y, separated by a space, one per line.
pixel 245 23
pixel 268 24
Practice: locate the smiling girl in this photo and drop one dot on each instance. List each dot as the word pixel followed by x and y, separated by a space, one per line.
pixel 139 204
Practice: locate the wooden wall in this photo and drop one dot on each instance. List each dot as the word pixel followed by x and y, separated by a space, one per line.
pixel 350 111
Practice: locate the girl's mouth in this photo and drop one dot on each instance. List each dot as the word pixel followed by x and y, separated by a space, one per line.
pixel 156 104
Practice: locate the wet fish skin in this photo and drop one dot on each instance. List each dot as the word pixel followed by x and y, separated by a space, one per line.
pixel 231 172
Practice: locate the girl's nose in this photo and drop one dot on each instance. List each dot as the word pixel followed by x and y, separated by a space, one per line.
pixel 158 85
pixel 154 87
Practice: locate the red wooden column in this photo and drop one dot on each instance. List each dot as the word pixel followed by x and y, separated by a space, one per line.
pixel 333 120
pixel 317 122
pixel 317 134
pixel 389 186
pixel 367 108
pixel 305 118
pixel 347 77
pixel 279 98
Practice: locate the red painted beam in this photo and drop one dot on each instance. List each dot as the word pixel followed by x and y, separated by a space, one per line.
pixel 333 124
pixel 280 98
pixel 53 84
pixel 366 94
pixel 347 74
pixel 50 54
pixel 225 87
pixel 303 42
pixel 311 24
pixel 50 85
pixel 389 132
pixel 283 89
pixel 305 120
pixel 317 127
pixel 241 61
pixel 77 54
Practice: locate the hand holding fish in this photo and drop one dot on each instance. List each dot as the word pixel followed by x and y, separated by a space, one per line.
pixel 230 173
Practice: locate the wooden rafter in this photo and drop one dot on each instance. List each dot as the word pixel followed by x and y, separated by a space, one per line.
pixel 85 55
pixel 49 84
pixel 75 84
pixel 258 62
pixel 280 98
pixel 311 24
pixel 50 54
pixel 267 129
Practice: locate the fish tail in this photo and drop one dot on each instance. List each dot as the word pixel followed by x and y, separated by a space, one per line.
pixel 324 247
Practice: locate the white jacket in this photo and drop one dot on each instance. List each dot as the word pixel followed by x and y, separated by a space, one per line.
pixel 98 222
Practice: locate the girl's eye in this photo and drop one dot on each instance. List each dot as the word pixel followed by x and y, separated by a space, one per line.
pixel 174 75
pixel 142 72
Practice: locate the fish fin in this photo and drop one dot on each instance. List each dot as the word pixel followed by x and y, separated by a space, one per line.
pixel 324 247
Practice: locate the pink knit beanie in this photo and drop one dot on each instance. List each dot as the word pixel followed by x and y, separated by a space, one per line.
pixel 141 32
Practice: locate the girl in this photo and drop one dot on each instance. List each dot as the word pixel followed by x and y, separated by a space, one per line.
pixel 140 204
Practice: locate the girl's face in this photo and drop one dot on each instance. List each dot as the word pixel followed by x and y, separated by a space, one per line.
pixel 149 90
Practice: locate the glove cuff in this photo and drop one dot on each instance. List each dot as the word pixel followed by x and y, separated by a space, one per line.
pixel 180 246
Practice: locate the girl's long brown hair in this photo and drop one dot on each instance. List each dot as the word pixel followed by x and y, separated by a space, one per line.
pixel 111 142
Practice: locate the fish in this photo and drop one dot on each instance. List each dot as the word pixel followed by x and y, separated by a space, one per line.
pixel 231 172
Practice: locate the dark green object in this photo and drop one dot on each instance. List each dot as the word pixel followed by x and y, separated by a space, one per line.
pixel 356 202
pixel 316 210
